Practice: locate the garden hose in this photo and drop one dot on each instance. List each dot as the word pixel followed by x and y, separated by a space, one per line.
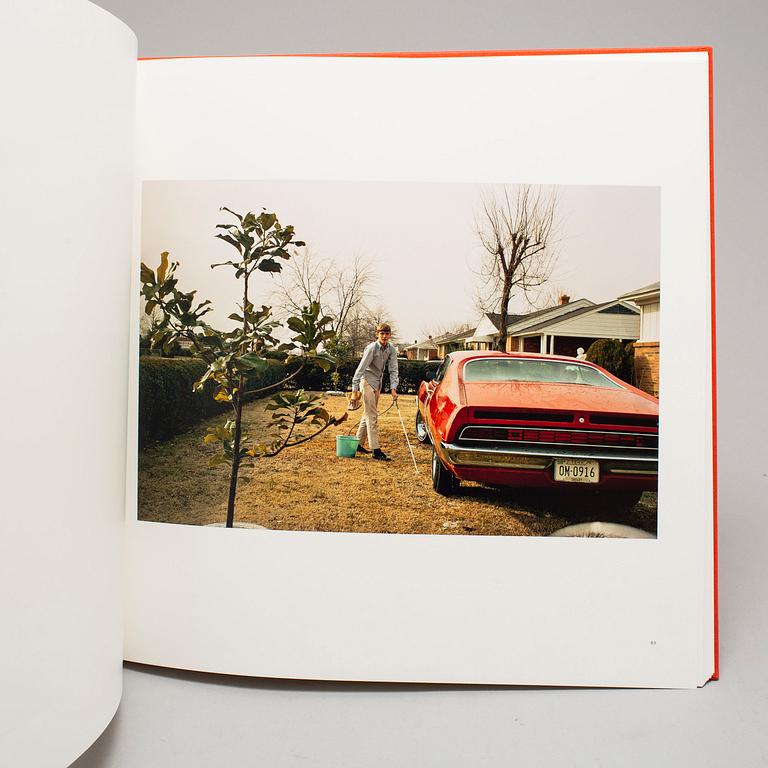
pixel 402 424
pixel 380 413
pixel 405 432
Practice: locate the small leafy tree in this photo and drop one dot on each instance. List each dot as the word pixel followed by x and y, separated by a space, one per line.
pixel 238 360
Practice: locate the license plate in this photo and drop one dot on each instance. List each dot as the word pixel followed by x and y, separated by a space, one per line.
pixel 577 471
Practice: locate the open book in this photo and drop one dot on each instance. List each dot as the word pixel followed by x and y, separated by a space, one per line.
pixel 424 569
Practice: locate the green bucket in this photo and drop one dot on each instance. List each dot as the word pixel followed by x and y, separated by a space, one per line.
pixel 346 446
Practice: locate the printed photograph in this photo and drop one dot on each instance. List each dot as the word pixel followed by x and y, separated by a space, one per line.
pixel 404 358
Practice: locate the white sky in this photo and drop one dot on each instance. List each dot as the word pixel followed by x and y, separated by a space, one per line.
pixel 421 237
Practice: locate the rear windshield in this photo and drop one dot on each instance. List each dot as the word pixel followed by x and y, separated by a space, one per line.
pixel 548 371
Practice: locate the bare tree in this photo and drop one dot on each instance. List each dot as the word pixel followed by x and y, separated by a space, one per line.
pixel 553 296
pixel 305 279
pixel 340 292
pixel 517 232
pixel 360 328
pixel 358 332
pixel 149 321
pixel 351 291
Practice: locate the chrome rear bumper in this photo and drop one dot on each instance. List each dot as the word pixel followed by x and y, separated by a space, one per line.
pixel 612 460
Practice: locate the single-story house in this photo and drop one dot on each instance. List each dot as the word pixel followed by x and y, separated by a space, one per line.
pixel 422 350
pixel 562 329
pixel 437 347
pixel 648 299
pixel 452 342
pixel 485 335
pixel 558 330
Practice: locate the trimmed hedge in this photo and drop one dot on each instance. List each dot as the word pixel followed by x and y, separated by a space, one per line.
pixel 412 373
pixel 167 404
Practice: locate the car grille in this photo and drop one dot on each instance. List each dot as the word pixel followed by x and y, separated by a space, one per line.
pixel 560 437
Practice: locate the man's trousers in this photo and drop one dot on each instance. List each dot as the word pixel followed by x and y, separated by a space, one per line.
pixel 369 424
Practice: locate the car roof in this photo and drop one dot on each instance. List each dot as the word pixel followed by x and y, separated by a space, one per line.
pixel 477 355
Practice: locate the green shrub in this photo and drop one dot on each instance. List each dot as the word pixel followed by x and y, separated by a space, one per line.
pixel 312 377
pixel 167 403
pixel 412 373
pixel 615 356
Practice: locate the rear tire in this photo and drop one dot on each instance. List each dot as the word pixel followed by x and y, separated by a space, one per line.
pixel 443 480
pixel 422 433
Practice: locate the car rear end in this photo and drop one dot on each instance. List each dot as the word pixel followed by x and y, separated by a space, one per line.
pixel 556 448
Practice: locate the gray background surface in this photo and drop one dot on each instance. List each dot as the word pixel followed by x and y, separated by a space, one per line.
pixel 197 720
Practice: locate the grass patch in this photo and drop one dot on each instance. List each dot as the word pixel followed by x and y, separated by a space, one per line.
pixel 308 488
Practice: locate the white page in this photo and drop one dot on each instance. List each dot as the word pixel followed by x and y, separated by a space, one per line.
pixel 444 608
pixel 68 83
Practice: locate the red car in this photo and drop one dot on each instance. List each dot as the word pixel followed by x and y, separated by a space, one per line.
pixel 538 421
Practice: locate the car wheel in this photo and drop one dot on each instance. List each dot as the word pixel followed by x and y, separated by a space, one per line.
pixel 422 433
pixel 442 480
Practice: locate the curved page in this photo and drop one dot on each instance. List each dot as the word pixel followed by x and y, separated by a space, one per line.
pixel 68 72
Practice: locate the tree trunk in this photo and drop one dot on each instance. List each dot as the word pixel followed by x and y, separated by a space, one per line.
pixel 235 464
pixel 503 311
pixel 238 420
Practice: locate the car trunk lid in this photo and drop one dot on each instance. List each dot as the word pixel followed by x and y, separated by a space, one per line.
pixel 562 399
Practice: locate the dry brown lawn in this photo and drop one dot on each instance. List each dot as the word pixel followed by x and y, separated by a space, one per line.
pixel 308 488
